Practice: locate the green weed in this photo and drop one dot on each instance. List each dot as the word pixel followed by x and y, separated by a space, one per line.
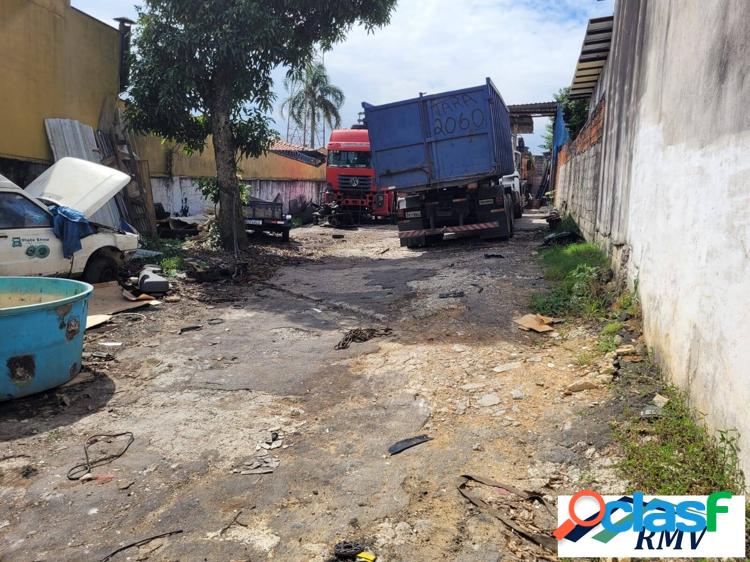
pixel 172 254
pixel 612 328
pixel 172 265
pixel 568 224
pixel 585 358
pixel 578 273
pixel 676 455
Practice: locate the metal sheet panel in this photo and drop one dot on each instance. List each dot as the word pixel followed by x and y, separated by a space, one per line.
pixel 68 137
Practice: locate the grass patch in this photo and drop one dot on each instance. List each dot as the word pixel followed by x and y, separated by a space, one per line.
pixel 568 224
pixel 612 328
pixel 172 254
pixel 585 358
pixel 676 455
pixel 578 272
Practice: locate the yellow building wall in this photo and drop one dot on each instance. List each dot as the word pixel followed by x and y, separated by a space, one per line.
pixel 55 61
pixel 165 159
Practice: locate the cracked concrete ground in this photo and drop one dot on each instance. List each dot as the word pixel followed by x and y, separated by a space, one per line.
pixel 203 404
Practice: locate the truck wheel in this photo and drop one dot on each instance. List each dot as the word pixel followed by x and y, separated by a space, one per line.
pixel 285 236
pixel 100 269
pixel 517 208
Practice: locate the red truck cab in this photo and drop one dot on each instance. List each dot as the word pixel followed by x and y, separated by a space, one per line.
pixel 350 176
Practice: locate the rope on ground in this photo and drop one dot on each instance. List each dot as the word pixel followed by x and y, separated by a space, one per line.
pixel 79 470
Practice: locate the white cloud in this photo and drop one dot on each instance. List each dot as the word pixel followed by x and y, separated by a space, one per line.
pixel 529 49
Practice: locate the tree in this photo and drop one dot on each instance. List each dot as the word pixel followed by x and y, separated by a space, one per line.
pixel 575 113
pixel 312 99
pixel 204 68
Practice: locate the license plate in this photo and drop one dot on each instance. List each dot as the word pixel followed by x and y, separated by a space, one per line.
pixel 413 214
pixel 486 201
pixel 254 221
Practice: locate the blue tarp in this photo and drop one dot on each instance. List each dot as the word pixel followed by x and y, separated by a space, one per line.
pixel 70 226
pixel 560 136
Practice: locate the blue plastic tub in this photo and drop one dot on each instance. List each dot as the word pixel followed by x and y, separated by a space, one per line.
pixel 42 321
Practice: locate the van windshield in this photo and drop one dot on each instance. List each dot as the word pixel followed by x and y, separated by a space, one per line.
pixel 349 159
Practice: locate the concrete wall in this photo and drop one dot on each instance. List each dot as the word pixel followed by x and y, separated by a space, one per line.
pixel 173 192
pixel 674 190
pixel 56 62
pixel 166 159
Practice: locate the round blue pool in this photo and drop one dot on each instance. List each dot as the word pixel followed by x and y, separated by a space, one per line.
pixel 42 321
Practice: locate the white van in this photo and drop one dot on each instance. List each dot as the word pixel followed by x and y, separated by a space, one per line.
pixel 28 245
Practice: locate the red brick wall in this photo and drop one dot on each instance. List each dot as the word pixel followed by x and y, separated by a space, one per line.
pixel 590 135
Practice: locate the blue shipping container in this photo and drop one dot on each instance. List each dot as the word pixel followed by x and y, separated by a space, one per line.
pixel 441 140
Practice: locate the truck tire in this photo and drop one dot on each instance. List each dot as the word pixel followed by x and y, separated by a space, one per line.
pixel 285 236
pixel 100 269
pixel 511 216
pixel 517 208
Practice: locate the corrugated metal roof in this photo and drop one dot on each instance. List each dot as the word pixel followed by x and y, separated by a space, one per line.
pixel 540 109
pixel 594 53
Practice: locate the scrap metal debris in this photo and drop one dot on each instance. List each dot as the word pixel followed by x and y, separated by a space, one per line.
pixel 361 335
pixel 518 513
pixel 190 328
pixel 139 543
pixel 400 446
pixel 79 470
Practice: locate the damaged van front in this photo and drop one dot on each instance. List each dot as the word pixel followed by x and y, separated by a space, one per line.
pixel 45 229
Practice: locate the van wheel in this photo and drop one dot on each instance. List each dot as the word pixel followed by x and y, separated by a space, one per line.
pixel 100 269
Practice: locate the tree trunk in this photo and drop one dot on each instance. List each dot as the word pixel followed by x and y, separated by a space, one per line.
pixel 231 223
pixel 313 126
pixel 304 126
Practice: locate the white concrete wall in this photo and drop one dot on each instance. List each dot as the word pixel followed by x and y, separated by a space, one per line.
pixel 688 225
pixel 172 191
pixel 673 195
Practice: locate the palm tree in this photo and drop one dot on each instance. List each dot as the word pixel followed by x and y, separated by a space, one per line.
pixel 312 100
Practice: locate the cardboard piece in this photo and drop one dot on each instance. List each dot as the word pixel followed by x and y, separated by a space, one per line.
pixel 536 322
pixel 110 298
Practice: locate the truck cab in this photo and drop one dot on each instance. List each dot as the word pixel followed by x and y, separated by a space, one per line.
pixel 512 185
pixel 350 177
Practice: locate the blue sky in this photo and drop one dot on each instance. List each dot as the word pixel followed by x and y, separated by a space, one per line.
pixel 529 49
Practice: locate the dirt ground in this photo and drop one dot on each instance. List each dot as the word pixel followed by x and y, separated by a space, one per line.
pixel 205 405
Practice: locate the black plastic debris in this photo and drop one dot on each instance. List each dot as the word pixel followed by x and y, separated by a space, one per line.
pixel 493 256
pixel 451 295
pixel 404 444
pixel 563 237
pixel 352 551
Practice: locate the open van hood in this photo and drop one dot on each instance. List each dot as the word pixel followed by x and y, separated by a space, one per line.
pixel 79 184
